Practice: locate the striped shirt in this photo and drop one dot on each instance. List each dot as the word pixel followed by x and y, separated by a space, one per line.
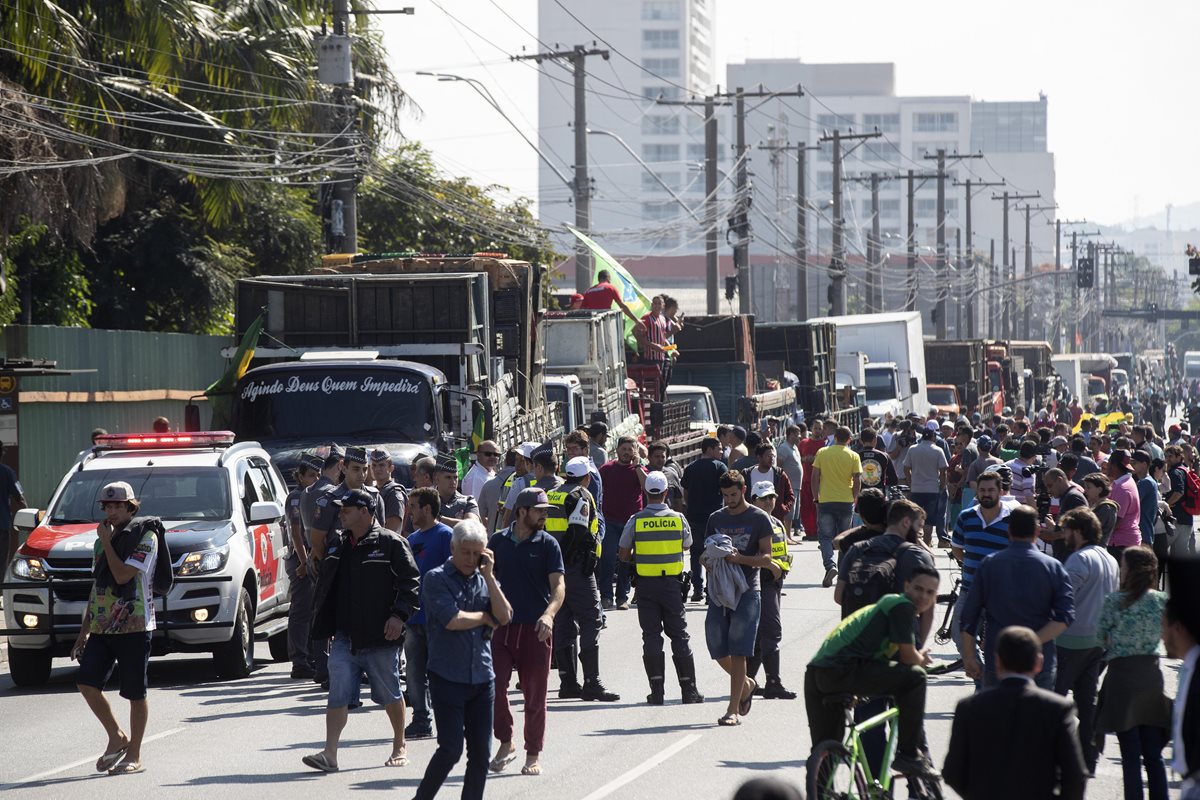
pixel 978 540
pixel 658 328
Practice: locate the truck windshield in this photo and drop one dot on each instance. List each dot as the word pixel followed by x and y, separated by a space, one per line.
pixel 700 410
pixel 1191 370
pixel 940 396
pixel 881 385
pixel 174 493
pixel 336 404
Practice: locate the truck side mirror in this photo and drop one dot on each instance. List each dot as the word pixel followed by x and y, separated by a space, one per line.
pixel 914 385
pixel 191 417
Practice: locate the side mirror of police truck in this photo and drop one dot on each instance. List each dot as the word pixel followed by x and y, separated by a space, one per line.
pixel 27 519
pixel 191 417
pixel 265 511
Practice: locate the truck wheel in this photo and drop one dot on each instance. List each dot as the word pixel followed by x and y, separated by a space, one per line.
pixel 235 658
pixel 29 667
pixel 278 645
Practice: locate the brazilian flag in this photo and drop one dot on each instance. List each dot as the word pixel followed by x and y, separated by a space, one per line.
pixel 630 291
pixel 220 393
pixel 479 431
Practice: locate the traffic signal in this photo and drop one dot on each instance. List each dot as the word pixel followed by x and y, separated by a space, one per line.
pixel 1085 274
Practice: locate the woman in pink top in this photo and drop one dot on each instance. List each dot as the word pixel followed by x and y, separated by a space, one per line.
pixel 1124 494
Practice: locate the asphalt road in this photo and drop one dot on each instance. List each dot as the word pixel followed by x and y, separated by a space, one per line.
pixel 207 736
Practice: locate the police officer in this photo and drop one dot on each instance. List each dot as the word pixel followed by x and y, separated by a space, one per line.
pixel 300 583
pixel 394 497
pixel 522 478
pixel 331 477
pixel 770 623
pixel 573 521
pixel 326 521
pixel 656 540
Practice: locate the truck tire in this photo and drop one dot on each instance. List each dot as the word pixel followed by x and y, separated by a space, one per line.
pixel 235 658
pixel 29 667
pixel 278 645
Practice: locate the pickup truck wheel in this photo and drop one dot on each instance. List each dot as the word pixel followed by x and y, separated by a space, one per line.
pixel 235 658
pixel 29 667
pixel 278 645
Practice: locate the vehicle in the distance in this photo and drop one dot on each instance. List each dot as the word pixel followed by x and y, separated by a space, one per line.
pixel 222 506
pixel 704 415
pixel 944 398
pixel 1191 365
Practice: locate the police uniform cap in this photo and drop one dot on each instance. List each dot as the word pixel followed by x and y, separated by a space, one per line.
pixel 578 467
pixel 763 489
pixel 379 454
pixel 356 455
pixel 597 428
pixel 656 483
pixel 545 447
pixel 355 498
pixel 312 461
pixel 446 463
pixel 335 450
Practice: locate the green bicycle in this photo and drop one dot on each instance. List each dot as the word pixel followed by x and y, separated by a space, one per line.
pixel 839 770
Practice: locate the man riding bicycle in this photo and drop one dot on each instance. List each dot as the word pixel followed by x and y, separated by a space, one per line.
pixel 873 653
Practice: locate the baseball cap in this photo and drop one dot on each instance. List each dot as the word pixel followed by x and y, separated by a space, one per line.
pixel 117 492
pixel 1058 441
pixel 763 489
pixel 578 467
pixel 577 298
pixel 312 461
pixel 656 483
pixel 525 449
pixel 356 455
pixel 1120 457
pixel 984 443
pixel 931 425
pixel 355 498
pixel 532 498
pixel 379 454
pixel 597 428
pixel 739 432
pixel 1174 429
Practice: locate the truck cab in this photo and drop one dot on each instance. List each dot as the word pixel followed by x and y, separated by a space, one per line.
pixel 567 392
pixel 883 390
pixel 944 397
pixel 1120 382
pixel 704 416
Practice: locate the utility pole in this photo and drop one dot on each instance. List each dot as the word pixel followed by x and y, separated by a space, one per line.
pixel 874 274
pixel 1004 249
pixel 993 308
pixel 1027 289
pixel 837 265
pixel 712 273
pixel 1056 343
pixel 983 320
pixel 912 177
pixel 941 157
pixel 958 306
pixel 801 244
pixel 582 184
pixel 740 220
pixel 336 67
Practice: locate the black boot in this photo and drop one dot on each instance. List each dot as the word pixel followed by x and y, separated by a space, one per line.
pixel 593 689
pixel 685 668
pixel 656 673
pixel 774 690
pixel 568 679
pixel 752 665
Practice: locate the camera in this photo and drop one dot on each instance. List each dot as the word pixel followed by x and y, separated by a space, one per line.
pixel 1043 504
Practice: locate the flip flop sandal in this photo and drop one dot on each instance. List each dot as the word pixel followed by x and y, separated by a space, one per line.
pixel 319 761
pixel 729 721
pixel 127 768
pixel 397 761
pixel 109 760
pixel 500 764
pixel 744 705
pixel 531 769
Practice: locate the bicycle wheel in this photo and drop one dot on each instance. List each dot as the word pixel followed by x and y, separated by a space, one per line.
pixel 832 776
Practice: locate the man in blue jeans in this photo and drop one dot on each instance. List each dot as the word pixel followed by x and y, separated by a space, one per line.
pixel 836 482
pixel 463 604
pixel 430 544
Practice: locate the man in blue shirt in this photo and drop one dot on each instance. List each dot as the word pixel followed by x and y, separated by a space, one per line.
pixel 463 604
pixel 1147 489
pixel 1017 586
pixel 430 544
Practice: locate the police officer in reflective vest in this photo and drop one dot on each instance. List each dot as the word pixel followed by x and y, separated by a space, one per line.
pixel 656 539
pixel 573 521
pixel 770 623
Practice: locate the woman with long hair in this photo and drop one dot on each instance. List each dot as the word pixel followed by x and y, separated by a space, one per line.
pixel 1132 704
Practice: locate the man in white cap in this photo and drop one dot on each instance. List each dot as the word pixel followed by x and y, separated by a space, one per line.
pixel 656 540
pixel 521 479
pixel 573 522
pixel 119 624
pixel 770 621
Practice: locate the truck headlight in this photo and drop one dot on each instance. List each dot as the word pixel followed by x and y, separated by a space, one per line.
pixel 32 569
pixel 203 562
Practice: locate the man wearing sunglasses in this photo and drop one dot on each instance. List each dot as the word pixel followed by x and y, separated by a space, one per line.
pixel 487 458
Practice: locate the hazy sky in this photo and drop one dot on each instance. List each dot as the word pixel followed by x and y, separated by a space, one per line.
pixel 1119 78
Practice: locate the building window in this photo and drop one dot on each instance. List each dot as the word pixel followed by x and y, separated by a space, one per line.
pixel 935 121
pixel 824 181
pixel 886 123
pixel 927 206
pixel 659 210
pixel 665 92
pixel 660 9
pixel 664 67
pixel 888 207
pixel 657 124
pixel 695 152
pixel 671 179
pixel 660 40
pixel 660 152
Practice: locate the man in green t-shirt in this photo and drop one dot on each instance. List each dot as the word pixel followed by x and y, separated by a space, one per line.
pixel 872 653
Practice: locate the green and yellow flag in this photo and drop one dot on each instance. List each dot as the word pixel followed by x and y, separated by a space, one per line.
pixel 220 393
pixel 630 291
pixel 480 428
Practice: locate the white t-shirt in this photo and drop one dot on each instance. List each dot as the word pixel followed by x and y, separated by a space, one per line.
pixel 474 480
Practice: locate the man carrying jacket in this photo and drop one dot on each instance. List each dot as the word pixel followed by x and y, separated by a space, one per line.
pixel 366 592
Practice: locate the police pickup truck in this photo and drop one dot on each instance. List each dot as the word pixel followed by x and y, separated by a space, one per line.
pixel 222 506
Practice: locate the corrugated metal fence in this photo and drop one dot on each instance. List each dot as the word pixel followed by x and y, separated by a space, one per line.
pixel 139 376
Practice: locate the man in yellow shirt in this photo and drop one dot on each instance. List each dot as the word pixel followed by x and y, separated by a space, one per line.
pixel 836 481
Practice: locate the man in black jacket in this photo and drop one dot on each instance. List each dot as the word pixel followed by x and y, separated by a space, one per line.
pixel 366 592
pixel 1181 635
pixel 1015 724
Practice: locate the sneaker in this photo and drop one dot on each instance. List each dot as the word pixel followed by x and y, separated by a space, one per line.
pixel 917 765
pixel 623 605
pixel 775 690
pixel 303 673
pixel 416 730
pixel 830 574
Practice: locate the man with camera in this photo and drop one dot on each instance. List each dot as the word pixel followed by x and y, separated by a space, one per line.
pixel 1056 486
pixel 1024 485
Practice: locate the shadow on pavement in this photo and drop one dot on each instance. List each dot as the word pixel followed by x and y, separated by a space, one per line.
pixel 762 766
pixel 694 726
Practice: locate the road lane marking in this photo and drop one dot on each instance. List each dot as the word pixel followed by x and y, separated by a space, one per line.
pixel 643 768
pixel 89 760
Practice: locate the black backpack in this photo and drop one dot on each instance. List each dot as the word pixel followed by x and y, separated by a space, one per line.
pixel 873 574
pixel 164 576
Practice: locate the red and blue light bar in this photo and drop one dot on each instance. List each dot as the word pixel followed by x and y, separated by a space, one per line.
pixel 138 441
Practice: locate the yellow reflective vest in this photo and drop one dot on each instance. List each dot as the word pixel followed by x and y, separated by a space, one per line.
pixel 658 543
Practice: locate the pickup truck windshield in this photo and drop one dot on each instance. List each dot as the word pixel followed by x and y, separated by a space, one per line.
pixel 881 385
pixel 700 411
pixel 173 493
pixel 335 404
pixel 940 397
